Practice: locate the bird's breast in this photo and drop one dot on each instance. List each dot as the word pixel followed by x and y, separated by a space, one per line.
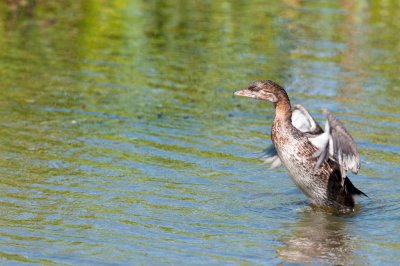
pixel 296 154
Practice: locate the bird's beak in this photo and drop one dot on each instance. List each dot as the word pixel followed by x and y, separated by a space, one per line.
pixel 245 93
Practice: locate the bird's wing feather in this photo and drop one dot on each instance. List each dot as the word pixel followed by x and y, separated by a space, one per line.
pixel 343 146
pixel 303 121
pixel 336 142
pixel 269 155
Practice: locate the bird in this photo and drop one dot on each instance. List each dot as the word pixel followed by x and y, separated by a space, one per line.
pixel 316 159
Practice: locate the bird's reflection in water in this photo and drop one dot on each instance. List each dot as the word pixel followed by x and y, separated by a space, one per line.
pixel 317 237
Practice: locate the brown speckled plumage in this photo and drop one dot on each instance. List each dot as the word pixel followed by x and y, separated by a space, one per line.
pixel 322 182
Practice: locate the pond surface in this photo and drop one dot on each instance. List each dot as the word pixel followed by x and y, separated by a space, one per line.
pixel 121 143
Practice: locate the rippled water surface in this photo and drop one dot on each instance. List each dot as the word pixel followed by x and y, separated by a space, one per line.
pixel 121 143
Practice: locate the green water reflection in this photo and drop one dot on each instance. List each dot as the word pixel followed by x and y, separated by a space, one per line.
pixel 120 141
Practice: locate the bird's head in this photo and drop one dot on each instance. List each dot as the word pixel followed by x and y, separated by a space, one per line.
pixel 263 90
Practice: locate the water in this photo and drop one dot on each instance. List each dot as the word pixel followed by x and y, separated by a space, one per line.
pixel 121 142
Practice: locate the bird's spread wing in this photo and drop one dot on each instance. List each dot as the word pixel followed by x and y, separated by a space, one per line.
pixel 269 155
pixel 335 142
pixel 343 145
pixel 301 120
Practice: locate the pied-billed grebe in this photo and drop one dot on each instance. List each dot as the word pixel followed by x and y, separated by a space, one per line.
pixel 317 160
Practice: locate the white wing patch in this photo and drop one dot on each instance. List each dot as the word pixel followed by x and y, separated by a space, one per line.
pixel 302 120
pixel 321 141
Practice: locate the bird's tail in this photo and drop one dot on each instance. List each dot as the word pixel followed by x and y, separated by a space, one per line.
pixel 352 189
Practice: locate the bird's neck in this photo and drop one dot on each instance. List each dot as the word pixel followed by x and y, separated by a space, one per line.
pixel 283 111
